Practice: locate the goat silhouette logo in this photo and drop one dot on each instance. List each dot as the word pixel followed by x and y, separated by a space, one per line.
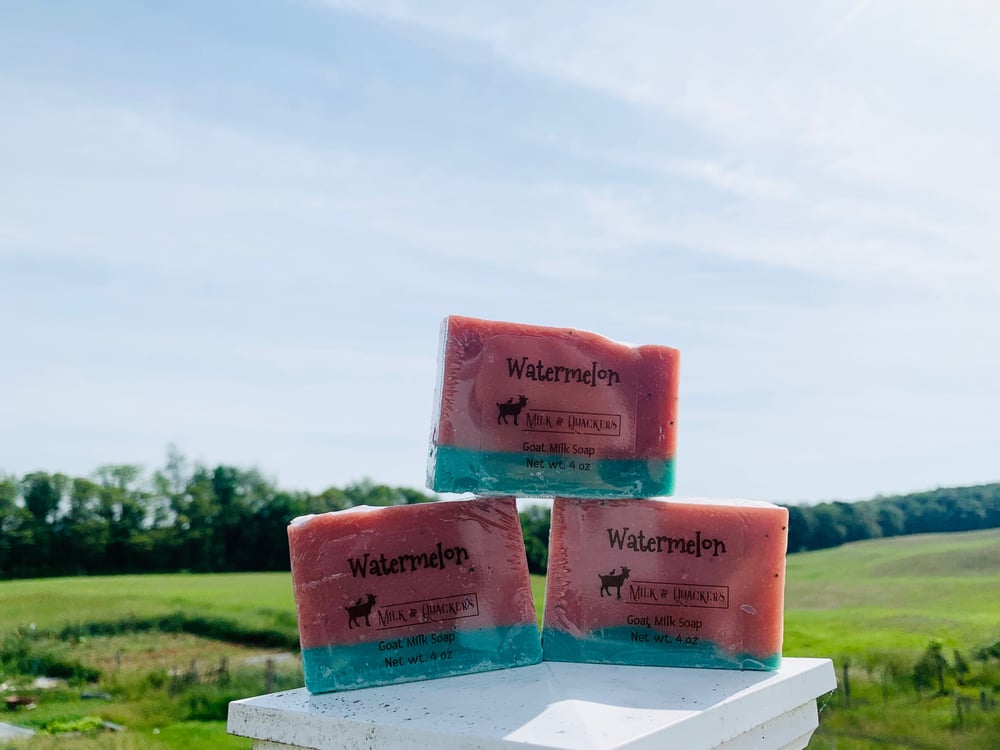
pixel 613 580
pixel 510 409
pixel 361 608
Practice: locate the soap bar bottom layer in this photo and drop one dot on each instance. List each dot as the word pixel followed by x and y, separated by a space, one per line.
pixel 398 659
pixel 617 646
pixel 483 472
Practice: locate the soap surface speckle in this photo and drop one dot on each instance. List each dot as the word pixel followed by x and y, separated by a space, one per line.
pixel 539 411
pixel 411 592
pixel 666 582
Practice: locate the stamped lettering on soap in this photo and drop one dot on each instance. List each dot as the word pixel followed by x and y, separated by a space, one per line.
pixel 439 609
pixel 546 372
pixel 534 394
pixel 667 594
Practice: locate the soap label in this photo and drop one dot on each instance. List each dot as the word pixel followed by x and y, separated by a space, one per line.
pixel 412 592
pixel 553 401
pixel 418 612
pixel 572 423
pixel 678 594
pixel 621 587
pixel 380 607
pixel 657 566
pixel 418 649
pixel 662 583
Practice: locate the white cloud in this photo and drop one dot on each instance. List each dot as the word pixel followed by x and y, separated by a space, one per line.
pixel 841 106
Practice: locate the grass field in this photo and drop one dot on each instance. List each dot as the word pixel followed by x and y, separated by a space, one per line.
pixel 894 594
pixel 256 599
pixel 867 605
pixel 875 606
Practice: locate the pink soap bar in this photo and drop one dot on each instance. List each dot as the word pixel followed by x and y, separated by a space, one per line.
pixel 539 411
pixel 411 592
pixel 666 582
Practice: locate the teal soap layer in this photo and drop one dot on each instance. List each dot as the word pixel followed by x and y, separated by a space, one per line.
pixel 398 659
pixel 497 473
pixel 617 646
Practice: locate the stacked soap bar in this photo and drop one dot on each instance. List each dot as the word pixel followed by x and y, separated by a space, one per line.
pixel 539 411
pixel 666 582
pixel 401 593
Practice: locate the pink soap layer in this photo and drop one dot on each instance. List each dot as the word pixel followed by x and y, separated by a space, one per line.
pixel 367 574
pixel 703 573
pixel 554 395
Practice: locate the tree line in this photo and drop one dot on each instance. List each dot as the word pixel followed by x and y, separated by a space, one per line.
pixel 831 524
pixel 182 516
pixel 188 516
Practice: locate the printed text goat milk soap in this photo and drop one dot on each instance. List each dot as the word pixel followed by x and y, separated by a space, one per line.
pixel 411 592
pixel 667 583
pixel 532 410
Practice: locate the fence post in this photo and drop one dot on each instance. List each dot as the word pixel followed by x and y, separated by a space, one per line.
pixel 846 682
pixel 269 677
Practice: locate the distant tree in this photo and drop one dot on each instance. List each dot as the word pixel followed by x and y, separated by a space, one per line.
pixel 241 494
pixel 122 503
pixel 20 546
pixel 195 511
pixel 413 497
pixel 42 494
pixel 82 532
pixel 169 485
pixel 270 527
pixel 990 498
pixel 829 529
pixel 8 508
pixel 8 493
pixel 328 500
pixel 537 554
pixel 931 668
pixel 800 528
pixel 858 521
pixel 536 521
pixel 230 489
pixel 891 520
pixel 367 492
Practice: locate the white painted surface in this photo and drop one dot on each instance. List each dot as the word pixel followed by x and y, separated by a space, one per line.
pixel 553 705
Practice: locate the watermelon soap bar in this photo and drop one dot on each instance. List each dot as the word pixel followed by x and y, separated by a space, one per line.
pixel 411 592
pixel 537 411
pixel 666 582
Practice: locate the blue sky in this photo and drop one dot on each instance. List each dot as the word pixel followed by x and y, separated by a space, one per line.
pixel 235 227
